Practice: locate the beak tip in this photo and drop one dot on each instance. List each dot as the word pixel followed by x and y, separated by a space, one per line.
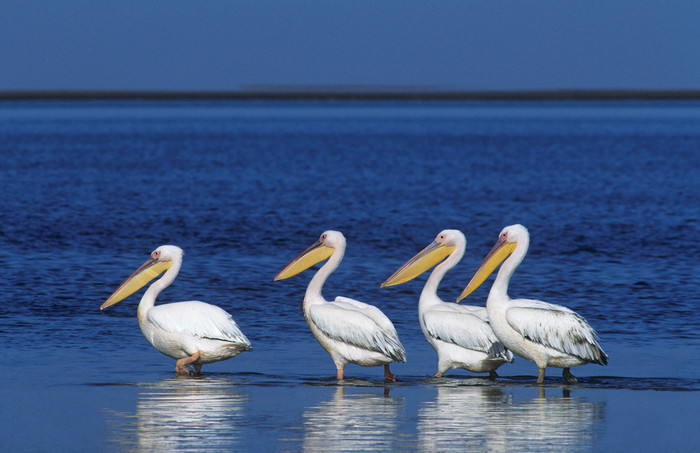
pixel 387 283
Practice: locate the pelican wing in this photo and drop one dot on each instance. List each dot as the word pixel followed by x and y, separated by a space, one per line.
pixel 199 319
pixel 359 324
pixel 466 329
pixel 556 327
pixel 371 311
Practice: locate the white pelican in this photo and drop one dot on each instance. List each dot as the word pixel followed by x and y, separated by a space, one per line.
pixel 349 330
pixel 460 334
pixel 190 332
pixel 545 334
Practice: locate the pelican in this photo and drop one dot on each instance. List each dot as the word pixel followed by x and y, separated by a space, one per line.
pixel 461 335
pixel 190 332
pixel 349 330
pixel 543 333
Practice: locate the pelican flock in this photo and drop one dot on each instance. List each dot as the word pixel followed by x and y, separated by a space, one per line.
pixel 460 334
pixel 349 330
pixel 476 339
pixel 543 333
pixel 190 332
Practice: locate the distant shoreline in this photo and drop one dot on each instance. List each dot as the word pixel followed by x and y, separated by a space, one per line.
pixel 322 94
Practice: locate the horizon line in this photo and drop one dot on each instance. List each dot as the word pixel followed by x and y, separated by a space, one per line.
pixel 281 92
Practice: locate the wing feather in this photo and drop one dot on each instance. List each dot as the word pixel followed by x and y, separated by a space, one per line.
pixel 465 329
pixel 371 311
pixel 199 319
pixel 359 324
pixel 558 328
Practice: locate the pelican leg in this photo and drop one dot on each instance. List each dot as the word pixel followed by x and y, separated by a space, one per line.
pixel 540 376
pixel 198 368
pixel 568 377
pixel 387 374
pixel 341 373
pixel 442 369
pixel 180 369
pixel 493 374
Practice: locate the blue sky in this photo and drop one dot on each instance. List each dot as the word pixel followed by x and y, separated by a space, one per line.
pixel 465 45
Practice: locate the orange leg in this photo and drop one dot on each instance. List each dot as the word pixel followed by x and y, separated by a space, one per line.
pixel 180 369
pixel 341 373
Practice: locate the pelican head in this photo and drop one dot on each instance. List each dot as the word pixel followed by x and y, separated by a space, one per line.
pixel 509 238
pixel 161 259
pixel 443 245
pixel 320 250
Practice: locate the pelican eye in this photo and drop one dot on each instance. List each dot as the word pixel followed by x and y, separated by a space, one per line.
pixel 155 255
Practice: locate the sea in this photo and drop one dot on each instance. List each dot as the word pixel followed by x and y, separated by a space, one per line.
pixel 609 191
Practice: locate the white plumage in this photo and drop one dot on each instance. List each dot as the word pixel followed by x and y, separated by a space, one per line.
pixel 543 333
pixel 468 328
pixel 358 324
pixel 197 318
pixel 191 332
pixel 349 330
pixel 461 335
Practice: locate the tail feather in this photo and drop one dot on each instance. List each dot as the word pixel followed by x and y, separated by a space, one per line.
pixel 498 351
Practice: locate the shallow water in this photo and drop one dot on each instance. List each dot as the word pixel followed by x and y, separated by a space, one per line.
pixel 609 192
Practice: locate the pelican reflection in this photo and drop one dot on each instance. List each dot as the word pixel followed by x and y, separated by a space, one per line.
pixel 485 418
pixel 353 422
pixel 203 414
pixel 458 418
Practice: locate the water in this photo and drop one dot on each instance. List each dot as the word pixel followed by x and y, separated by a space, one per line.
pixel 609 191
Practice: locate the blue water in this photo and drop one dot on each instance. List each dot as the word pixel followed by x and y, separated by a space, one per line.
pixel 609 192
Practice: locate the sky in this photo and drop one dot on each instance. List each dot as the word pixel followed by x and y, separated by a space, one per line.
pixel 452 45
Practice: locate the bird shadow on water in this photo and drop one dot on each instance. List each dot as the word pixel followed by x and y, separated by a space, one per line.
pixel 256 379
pixel 589 382
pixel 494 417
pixel 182 411
pixel 219 411
pixel 353 420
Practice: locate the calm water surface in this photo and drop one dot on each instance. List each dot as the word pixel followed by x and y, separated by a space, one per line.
pixel 609 191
